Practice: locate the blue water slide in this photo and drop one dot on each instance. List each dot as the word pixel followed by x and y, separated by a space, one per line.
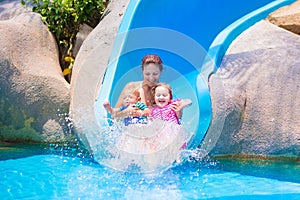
pixel 191 38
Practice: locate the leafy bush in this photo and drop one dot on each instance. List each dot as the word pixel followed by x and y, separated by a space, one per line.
pixel 63 18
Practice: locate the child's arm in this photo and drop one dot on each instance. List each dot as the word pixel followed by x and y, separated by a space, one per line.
pixel 108 108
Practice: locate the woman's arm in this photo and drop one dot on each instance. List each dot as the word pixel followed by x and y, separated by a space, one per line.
pixel 178 106
pixel 185 103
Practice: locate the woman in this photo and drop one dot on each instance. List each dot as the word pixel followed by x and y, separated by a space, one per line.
pixel 152 68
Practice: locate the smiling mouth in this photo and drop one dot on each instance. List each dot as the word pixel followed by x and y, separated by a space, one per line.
pixel 152 82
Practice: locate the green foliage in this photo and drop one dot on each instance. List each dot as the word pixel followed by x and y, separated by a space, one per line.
pixel 15 126
pixel 24 134
pixel 64 17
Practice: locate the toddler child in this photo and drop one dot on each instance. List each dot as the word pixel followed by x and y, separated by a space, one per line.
pixel 138 110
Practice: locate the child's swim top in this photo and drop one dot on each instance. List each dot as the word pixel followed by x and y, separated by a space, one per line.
pixel 135 119
pixel 165 113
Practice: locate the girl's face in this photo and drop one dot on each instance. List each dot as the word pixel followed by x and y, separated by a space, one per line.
pixel 162 96
pixel 151 73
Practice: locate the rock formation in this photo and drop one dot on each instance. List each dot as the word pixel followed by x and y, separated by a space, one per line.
pixel 254 95
pixel 34 95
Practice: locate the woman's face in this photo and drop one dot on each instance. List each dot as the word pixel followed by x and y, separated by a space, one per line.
pixel 162 96
pixel 151 73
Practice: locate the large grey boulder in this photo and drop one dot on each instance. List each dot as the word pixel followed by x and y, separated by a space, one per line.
pixel 255 95
pixel 34 96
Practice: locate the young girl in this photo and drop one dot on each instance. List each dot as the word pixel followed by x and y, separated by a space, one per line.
pixel 139 112
pixel 165 108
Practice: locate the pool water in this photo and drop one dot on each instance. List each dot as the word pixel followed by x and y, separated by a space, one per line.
pixel 67 173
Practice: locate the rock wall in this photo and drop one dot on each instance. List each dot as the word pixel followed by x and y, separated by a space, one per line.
pixel 254 95
pixel 255 91
pixel 34 95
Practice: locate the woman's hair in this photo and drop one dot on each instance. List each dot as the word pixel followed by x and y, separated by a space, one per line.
pixel 152 58
pixel 165 85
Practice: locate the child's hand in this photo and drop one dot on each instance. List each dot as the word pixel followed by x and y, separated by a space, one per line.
pixel 176 106
pixel 106 104
pixel 107 107
pixel 132 110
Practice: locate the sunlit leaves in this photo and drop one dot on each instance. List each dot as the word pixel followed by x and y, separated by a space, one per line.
pixel 64 17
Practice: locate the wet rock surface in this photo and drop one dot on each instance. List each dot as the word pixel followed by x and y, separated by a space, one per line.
pixel 33 92
pixel 254 95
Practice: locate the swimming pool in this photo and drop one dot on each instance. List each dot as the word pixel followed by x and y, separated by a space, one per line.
pixel 66 173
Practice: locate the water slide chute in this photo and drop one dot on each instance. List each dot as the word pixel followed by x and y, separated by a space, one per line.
pixel 191 40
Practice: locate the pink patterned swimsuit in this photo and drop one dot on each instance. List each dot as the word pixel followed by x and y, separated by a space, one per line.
pixel 165 113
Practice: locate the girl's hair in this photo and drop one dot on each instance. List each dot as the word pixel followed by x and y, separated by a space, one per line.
pixel 152 58
pixel 165 85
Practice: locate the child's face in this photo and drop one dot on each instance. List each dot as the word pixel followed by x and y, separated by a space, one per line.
pixel 162 96
pixel 129 99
